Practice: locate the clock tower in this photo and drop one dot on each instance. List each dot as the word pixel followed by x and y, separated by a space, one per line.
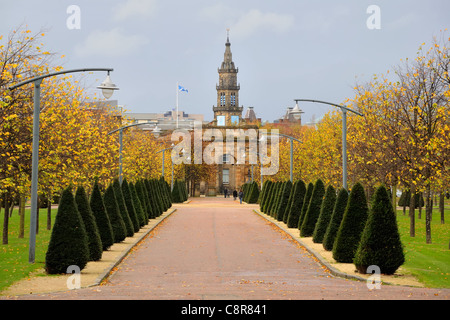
pixel 227 112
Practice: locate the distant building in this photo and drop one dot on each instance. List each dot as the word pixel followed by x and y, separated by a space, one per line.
pixel 288 118
pixel 166 121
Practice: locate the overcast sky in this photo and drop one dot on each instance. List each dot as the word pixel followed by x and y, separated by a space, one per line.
pixel 284 49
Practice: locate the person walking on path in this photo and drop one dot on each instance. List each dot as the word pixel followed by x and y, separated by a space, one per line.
pixel 241 195
pixel 235 194
pixel 225 192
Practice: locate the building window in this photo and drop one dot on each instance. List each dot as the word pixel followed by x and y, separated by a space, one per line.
pixel 222 99
pixel 233 99
pixel 226 158
pixel 220 120
pixel 234 120
pixel 226 176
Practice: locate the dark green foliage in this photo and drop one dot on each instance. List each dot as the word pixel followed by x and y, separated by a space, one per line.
pixel 123 208
pixel 68 243
pixel 297 204
pixel 271 197
pixel 166 191
pixel 101 217
pixel 283 201
pixel 254 193
pixel 179 192
pixel 289 203
pixel 112 208
pixel 325 214
pixel 308 194
pixel 380 243
pixel 93 236
pixel 352 225
pixel 143 199
pixel 313 212
pixel 264 193
pixel 335 220
pixel 137 205
pixel 153 206
pixel 128 198
pixel 176 193
pixel 268 199
pixel 275 200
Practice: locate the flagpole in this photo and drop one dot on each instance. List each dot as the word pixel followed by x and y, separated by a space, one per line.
pixel 177 104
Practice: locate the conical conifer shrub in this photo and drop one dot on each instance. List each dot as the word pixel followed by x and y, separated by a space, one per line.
pixel 143 199
pixel 254 193
pixel 137 205
pixel 352 225
pixel 308 194
pixel 123 208
pixel 176 193
pixel 126 192
pixel 313 212
pixel 264 192
pixel 297 204
pixel 335 220
pixel 269 196
pixel 380 243
pixel 325 214
pixel 112 208
pixel 284 198
pixel 101 217
pixel 68 242
pixel 153 198
pixel 289 203
pixel 93 235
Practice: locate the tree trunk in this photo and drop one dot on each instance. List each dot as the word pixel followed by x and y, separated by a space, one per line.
pixel 22 215
pixel 49 214
pixel 5 218
pixel 441 207
pixel 428 213
pixel 420 205
pixel 394 198
pixel 412 227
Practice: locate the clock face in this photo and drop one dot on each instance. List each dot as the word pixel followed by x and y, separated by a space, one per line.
pixel 234 120
pixel 221 120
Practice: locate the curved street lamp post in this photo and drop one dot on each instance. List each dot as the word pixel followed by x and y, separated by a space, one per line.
pixel 155 131
pixel 107 88
pixel 344 133
pixel 291 142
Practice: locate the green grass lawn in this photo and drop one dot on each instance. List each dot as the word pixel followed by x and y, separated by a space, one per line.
pixel 14 263
pixel 429 262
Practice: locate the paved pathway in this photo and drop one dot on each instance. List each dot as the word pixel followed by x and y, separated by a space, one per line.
pixel 215 248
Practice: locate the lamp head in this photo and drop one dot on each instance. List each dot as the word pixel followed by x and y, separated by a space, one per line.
pixel 107 87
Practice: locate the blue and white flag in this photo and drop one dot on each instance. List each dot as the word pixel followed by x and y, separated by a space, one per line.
pixel 182 88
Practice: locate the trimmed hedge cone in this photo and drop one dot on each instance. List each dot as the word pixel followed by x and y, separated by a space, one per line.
pixel 297 204
pixel 313 212
pixel 101 217
pixel 352 225
pixel 335 221
pixel 325 214
pixel 380 243
pixel 94 240
pixel 68 243
pixel 112 208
